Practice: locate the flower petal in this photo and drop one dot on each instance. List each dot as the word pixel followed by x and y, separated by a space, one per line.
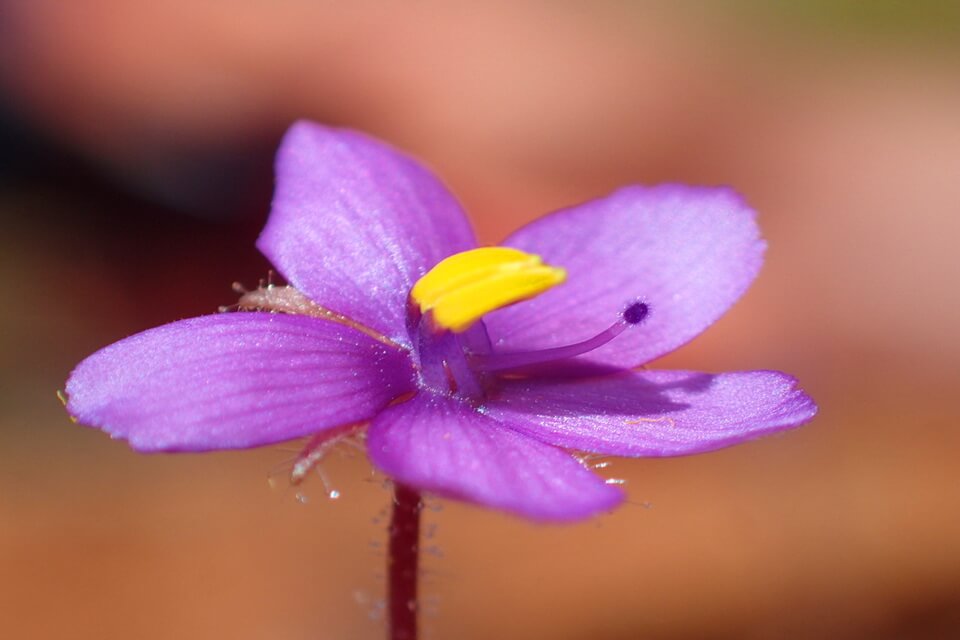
pixel 355 223
pixel 235 380
pixel 653 413
pixel 445 446
pixel 687 252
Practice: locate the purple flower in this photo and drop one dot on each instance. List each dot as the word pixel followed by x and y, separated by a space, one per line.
pixel 487 412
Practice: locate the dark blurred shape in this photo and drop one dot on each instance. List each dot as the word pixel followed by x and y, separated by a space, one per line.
pixel 233 181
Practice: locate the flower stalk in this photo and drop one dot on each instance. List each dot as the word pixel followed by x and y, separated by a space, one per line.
pixel 402 563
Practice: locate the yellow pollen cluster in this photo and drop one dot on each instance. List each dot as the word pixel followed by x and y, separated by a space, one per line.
pixel 465 286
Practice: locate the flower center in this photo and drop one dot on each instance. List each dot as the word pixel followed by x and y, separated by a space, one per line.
pixel 455 352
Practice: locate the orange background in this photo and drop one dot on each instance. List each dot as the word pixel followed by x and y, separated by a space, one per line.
pixel 137 146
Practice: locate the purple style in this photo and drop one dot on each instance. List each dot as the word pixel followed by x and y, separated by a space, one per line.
pixel 491 415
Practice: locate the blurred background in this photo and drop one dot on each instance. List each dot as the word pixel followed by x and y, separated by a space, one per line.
pixel 136 144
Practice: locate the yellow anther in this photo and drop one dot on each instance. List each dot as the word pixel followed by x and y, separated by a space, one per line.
pixel 465 286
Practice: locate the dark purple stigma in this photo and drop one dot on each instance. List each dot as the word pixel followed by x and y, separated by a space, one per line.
pixel 636 313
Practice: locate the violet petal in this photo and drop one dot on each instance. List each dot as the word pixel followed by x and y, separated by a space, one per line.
pixel 653 413
pixel 688 252
pixel 235 380
pixel 442 445
pixel 355 223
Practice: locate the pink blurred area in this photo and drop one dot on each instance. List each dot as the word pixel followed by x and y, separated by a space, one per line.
pixel 150 130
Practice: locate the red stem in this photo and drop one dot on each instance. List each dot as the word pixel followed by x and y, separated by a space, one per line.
pixel 402 563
